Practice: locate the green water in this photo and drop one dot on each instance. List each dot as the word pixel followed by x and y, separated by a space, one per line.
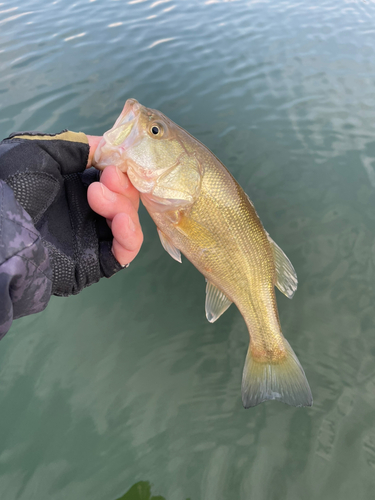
pixel 126 391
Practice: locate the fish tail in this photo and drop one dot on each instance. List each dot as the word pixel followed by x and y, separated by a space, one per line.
pixel 281 379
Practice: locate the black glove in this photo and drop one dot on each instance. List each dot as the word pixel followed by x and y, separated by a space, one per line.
pixel 48 176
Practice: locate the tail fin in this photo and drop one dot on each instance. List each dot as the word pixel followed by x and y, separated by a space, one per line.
pixel 283 381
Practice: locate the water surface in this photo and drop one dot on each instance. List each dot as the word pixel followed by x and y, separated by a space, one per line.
pixel 127 383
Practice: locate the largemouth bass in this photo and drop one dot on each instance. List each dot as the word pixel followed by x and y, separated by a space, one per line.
pixel 202 212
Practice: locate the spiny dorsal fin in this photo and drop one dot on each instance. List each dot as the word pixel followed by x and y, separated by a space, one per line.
pixel 169 247
pixel 216 302
pixel 286 275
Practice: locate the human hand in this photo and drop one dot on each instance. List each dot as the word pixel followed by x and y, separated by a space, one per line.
pixel 46 173
pixel 116 199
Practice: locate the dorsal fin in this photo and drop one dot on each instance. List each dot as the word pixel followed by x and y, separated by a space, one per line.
pixel 286 275
pixel 216 302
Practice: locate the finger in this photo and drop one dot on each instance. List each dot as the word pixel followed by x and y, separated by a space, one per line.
pixel 118 182
pixel 107 203
pixel 127 238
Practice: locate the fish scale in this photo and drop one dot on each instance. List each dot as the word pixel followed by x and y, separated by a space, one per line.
pixel 201 211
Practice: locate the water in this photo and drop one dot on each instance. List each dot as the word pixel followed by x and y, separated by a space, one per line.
pixel 126 390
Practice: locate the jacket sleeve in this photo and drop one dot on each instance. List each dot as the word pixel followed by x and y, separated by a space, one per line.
pixel 25 273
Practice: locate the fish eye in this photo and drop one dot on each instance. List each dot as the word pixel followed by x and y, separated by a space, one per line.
pixel 156 129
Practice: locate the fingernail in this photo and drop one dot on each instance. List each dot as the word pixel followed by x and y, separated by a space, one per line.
pixel 123 179
pixel 108 194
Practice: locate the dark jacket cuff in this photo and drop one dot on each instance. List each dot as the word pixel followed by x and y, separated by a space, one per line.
pixel 71 158
pixel 108 262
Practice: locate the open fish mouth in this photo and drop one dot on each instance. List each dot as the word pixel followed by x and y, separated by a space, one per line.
pixel 111 150
pixel 124 124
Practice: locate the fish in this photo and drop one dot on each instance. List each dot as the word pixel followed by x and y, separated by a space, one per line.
pixel 202 212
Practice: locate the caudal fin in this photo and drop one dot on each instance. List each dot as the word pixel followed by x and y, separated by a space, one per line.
pixel 283 380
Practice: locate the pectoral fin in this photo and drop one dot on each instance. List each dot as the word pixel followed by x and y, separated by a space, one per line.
pixel 196 231
pixel 216 302
pixel 169 247
pixel 286 275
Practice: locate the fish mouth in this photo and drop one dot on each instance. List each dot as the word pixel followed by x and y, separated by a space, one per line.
pixel 124 124
pixel 133 106
pixel 132 114
pixel 126 133
pixel 131 110
pixel 112 148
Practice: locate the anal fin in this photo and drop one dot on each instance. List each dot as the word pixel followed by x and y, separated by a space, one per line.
pixel 216 302
pixel 169 247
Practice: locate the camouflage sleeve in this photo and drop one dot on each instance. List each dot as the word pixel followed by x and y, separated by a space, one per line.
pixel 25 273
